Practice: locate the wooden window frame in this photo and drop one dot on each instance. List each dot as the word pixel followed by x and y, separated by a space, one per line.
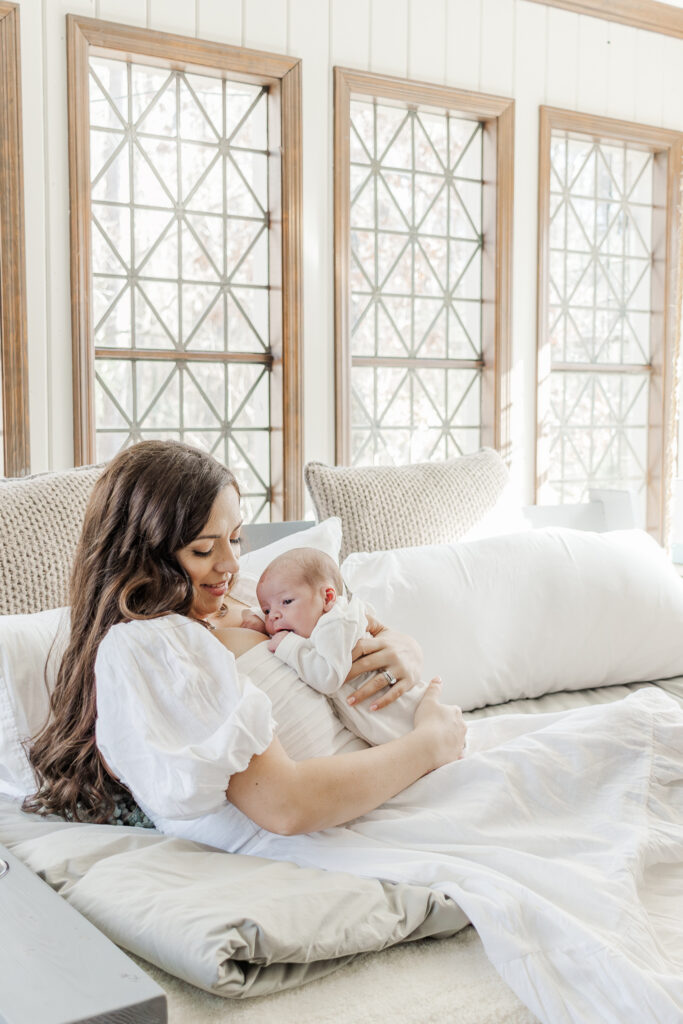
pixel 497 116
pixel 282 76
pixel 13 335
pixel 667 148
pixel 644 14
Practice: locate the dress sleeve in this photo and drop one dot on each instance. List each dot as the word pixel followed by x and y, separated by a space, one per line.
pixel 174 718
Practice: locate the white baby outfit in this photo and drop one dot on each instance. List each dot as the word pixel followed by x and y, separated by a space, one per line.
pixel 323 660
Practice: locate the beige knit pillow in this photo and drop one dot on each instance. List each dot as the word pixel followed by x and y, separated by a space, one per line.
pixel 383 507
pixel 40 523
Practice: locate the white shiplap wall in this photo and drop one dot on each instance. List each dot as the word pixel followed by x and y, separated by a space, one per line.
pixel 533 53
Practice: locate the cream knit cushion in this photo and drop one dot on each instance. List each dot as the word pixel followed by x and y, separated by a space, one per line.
pixel 385 507
pixel 40 523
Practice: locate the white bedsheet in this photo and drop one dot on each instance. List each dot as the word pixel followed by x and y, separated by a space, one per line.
pixel 561 837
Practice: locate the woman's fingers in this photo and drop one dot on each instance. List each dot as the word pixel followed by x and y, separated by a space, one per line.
pixel 392 694
pixel 364 650
pixel 376 685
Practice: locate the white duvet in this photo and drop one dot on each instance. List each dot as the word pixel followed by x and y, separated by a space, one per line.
pixel 561 837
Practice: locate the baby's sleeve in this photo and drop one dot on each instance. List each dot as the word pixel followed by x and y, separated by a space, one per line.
pixel 323 660
pixel 174 718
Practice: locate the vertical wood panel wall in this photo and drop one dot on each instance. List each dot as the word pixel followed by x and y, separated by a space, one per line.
pixel 533 53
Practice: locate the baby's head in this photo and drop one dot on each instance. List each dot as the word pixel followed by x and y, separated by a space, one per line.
pixel 297 588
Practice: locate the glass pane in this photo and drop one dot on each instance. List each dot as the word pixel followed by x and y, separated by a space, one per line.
pixel 222 408
pixel 416 288
pixel 601 251
pixel 179 233
pixel 599 312
pixel 598 429
pixel 411 415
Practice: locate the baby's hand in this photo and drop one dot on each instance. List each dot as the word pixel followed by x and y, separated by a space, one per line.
pixel 251 621
pixel 276 639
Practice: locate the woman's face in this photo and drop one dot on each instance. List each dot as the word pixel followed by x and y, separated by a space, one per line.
pixel 211 558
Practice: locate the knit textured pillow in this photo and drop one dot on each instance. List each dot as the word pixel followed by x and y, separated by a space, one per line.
pixel 40 523
pixel 384 507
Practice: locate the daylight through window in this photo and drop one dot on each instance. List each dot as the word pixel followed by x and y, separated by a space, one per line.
pixel 601 409
pixel 421 252
pixel 189 327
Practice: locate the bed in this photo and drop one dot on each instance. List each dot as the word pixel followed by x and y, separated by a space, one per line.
pixel 364 949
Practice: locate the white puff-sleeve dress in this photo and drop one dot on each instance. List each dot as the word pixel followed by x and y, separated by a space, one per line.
pixel 174 721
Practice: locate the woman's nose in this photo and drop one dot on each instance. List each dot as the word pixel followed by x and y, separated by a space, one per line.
pixel 227 561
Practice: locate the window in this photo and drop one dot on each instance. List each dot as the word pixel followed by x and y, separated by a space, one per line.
pixel 607 239
pixel 14 428
pixel 423 211
pixel 186 285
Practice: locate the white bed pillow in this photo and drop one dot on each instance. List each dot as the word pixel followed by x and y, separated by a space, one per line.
pixel 26 644
pixel 531 613
pixel 325 536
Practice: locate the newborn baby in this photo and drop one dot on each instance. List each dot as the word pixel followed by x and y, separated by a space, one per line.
pixel 314 628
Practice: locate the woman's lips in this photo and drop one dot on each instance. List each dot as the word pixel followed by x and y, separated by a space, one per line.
pixel 216 589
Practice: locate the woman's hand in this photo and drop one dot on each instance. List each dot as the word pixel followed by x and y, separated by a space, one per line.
pixel 385 650
pixel 445 722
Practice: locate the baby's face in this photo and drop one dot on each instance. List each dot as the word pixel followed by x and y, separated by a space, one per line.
pixel 290 604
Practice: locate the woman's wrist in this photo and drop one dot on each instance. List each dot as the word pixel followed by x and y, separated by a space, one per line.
pixel 428 746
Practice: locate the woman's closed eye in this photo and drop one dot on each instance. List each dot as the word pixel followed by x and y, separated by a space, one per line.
pixel 202 554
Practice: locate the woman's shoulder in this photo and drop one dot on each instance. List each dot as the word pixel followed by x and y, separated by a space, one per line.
pixel 148 634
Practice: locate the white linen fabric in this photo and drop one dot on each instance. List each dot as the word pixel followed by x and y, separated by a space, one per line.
pixel 31 647
pixel 323 660
pixel 559 835
pixel 531 613
pixel 306 725
pixel 174 721
pixel 561 838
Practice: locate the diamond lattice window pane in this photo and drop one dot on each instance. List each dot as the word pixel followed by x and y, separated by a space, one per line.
pixel 598 428
pixel 600 251
pixel 179 173
pixel 415 276
pixel 599 312
pixel 409 415
pixel 221 407
pixel 179 236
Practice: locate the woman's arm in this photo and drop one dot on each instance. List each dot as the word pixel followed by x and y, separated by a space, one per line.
pixel 398 653
pixel 290 797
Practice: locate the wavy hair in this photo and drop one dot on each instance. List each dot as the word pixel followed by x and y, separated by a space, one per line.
pixel 151 500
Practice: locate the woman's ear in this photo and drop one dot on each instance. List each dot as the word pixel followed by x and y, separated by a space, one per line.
pixel 329 597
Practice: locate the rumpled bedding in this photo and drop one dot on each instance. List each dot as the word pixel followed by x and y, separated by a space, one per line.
pixel 561 837
pixel 241 926
pixel 233 925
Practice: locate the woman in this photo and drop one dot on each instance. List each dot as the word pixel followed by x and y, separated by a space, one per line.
pixel 161 535
pixel 560 835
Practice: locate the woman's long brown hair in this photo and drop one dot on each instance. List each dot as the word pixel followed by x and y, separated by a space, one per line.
pixel 151 500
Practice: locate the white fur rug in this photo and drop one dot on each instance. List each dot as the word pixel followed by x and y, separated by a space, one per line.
pixel 435 981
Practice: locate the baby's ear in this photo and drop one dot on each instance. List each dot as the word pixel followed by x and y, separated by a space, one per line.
pixel 329 597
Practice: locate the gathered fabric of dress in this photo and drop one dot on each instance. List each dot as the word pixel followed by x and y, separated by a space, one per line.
pixel 559 835
pixel 175 719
